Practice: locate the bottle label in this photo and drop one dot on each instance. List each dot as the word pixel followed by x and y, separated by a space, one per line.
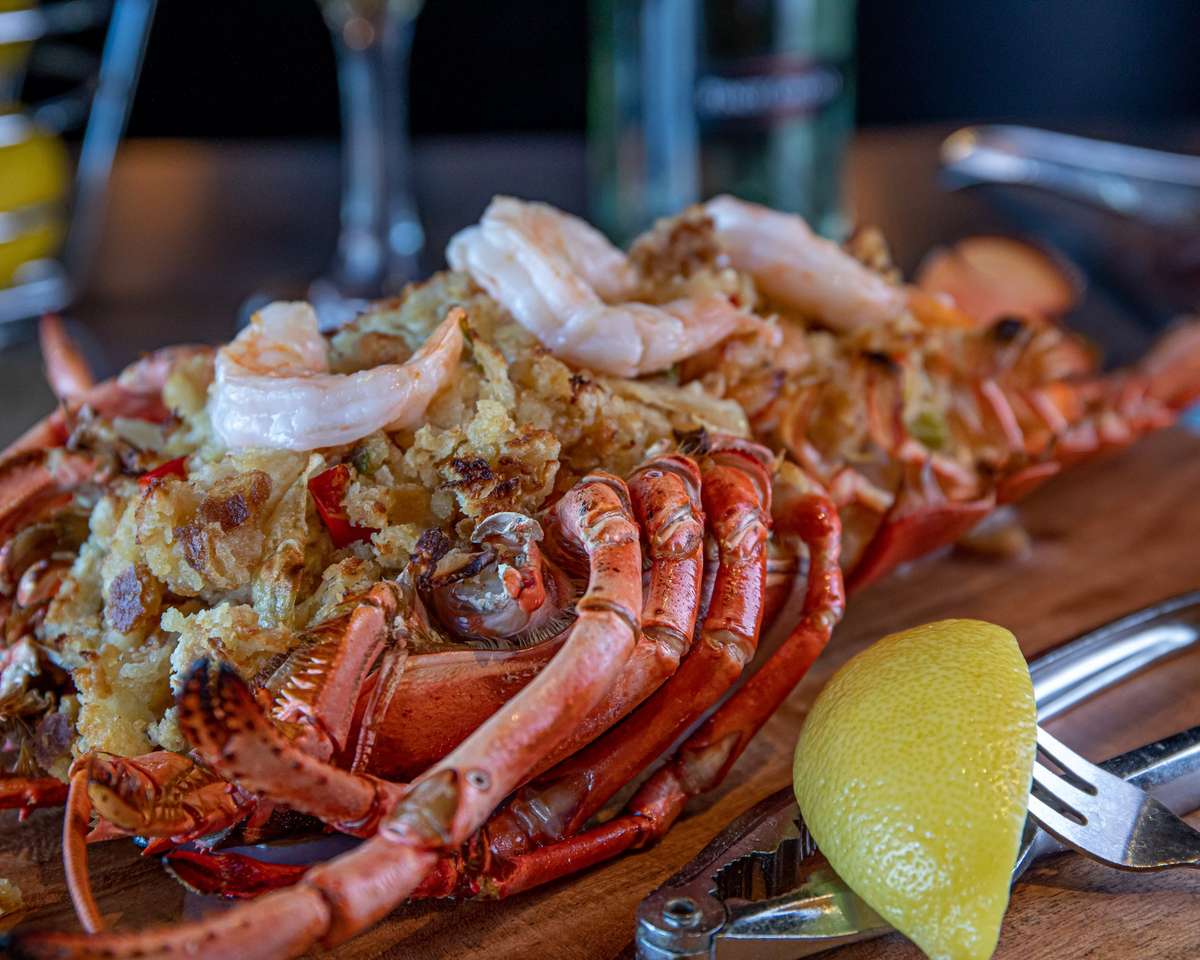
pixel 762 91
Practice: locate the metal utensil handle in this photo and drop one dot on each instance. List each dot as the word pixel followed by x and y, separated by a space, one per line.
pixel 1102 658
pixel 1150 185
pixel 124 46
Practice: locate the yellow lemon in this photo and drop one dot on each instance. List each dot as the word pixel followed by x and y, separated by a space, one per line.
pixel 913 771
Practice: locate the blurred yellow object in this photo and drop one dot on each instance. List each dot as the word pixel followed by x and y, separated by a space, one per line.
pixel 34 174
pixel 912 773
pixel 13 55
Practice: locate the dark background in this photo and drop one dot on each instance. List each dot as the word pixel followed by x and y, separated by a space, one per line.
pixel 264 68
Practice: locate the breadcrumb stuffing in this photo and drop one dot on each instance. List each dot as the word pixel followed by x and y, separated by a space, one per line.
pixel 10 898
pixel 233 560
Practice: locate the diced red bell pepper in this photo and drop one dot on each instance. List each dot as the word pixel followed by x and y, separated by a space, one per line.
pixel 328 489
pixel 172 468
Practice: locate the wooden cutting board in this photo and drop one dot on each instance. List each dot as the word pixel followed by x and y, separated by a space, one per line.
pixel 1109 537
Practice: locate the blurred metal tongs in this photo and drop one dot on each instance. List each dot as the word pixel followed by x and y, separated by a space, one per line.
pixel 760 891
pixel 1153 186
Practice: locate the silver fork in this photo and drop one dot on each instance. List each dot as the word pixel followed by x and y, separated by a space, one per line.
pixel 1104 817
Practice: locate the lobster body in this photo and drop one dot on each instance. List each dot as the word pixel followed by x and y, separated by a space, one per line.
pixel 470 716
pixel 441 698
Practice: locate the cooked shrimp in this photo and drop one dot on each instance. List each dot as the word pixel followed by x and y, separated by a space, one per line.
pixel 796 268
pixel 569 287
pixel 273 387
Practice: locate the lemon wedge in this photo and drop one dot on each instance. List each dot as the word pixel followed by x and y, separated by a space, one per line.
pixel 913 772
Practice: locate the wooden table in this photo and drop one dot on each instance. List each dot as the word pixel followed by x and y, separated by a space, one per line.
pixel 1110 536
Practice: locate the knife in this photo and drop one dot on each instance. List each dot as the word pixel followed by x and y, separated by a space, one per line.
pixel 761 890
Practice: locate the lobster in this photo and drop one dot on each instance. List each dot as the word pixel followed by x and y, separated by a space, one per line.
pixel 525 746
pixel 312 749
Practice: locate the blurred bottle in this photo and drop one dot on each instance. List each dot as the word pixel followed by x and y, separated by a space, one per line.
pixel 33 170
pixel 13 56
pixel 34 174
pixel 50 208
pixel 689 98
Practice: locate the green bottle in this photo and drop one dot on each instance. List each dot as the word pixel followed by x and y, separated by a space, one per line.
pixel 690 98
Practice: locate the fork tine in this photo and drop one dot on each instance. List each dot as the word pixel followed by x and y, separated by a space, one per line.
pixel 1123 825
pixel 1065 829
pixel 1083 770
pixel 1063 790
pixel 1096 777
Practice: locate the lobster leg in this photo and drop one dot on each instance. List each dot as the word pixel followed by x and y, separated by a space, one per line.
pixel 67 371
pixel 665 495
pixel 451 801
pixel 221 718
pixel 232 875
pixel 161 794
pixel 707 756
pixel 1024 481
pixel 736 496
pixel 736 492
pixel 27 794
pixel 318 686
pixel 921 520
pixel 76 820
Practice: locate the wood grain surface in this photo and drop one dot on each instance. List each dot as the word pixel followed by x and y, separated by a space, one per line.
pixel 1111 536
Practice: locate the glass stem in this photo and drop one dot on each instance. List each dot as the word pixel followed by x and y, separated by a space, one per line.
pixel 381 235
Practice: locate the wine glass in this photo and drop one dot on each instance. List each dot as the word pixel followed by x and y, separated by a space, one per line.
pixel 380 237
